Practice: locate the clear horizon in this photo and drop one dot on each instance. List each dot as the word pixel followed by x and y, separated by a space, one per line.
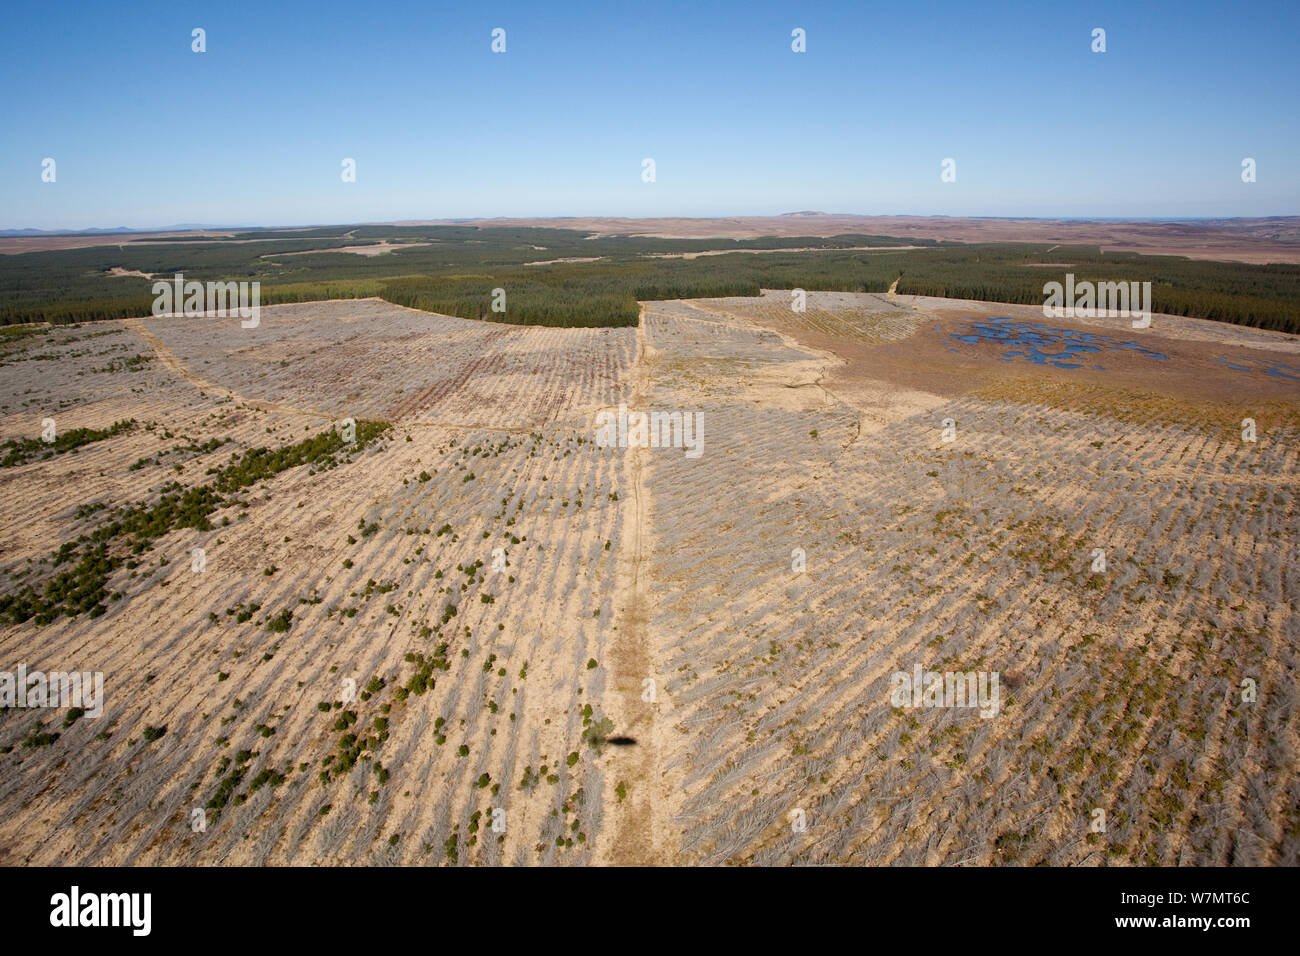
pixel 147 134
pixel 226 227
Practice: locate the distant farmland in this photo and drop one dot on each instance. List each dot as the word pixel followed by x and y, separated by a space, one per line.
pixel 596 281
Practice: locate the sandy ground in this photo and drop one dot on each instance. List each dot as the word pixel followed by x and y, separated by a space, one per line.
pixel 826 539
pixel 723 252
pixel 375 249
pixel 552 262
pixel 966 556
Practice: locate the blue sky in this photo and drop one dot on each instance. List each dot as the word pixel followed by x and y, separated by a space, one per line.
pixel 146 133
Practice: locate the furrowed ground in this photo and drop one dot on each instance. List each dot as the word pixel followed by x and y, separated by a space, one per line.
pixel 472 687
pixel 827 537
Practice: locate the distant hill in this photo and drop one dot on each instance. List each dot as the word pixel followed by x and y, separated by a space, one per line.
pixel 117 230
